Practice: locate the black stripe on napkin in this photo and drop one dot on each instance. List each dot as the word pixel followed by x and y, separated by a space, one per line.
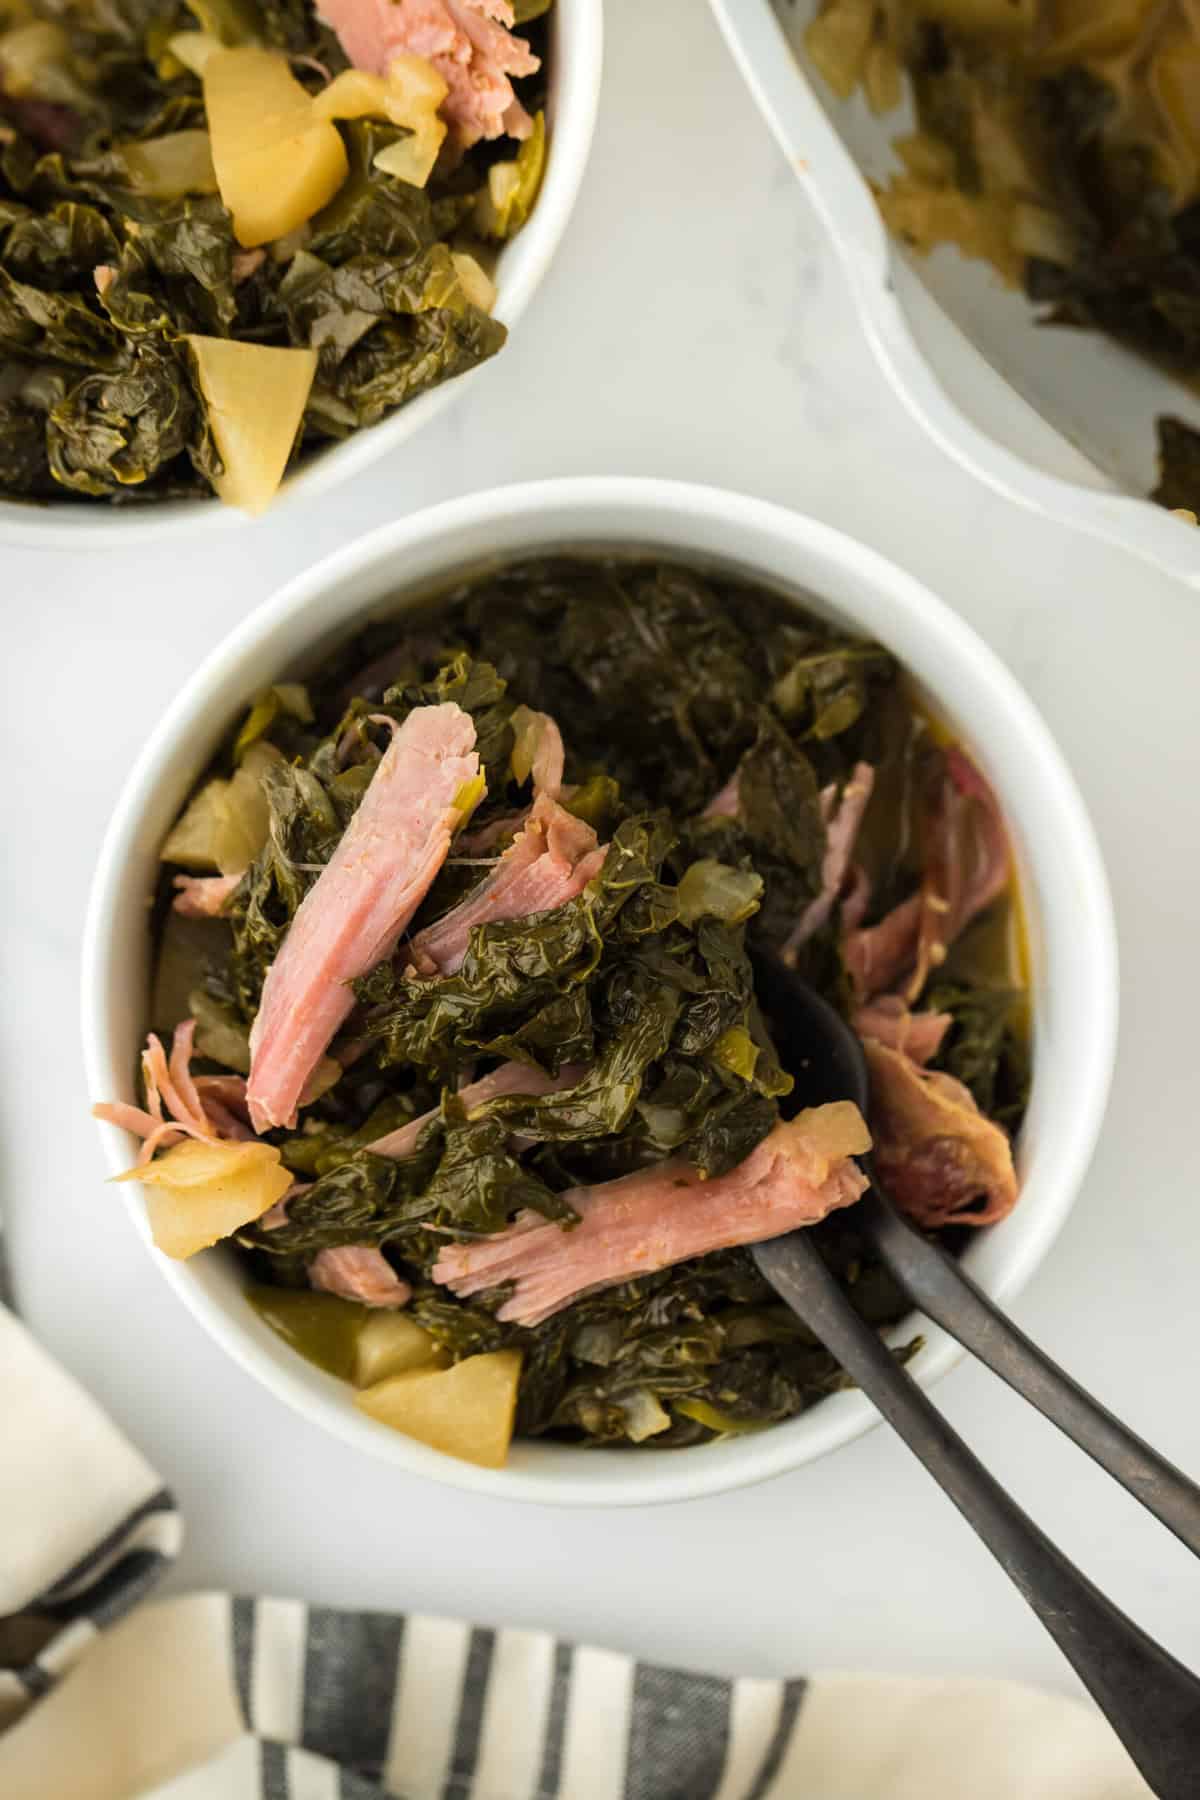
pixel 241 1633
pixel 789 1707
pixel 469 1724
pixel 273 1774
pixel 350 1665
pixel 550 1775
pixel 678 1734
pixel 121 1586
pixel 354 1787
pixel 77 1575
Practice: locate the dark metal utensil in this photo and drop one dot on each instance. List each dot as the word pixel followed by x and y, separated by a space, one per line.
pixel 1150 1699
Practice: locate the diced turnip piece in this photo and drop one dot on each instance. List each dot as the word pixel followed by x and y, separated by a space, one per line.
pixel 391 1344
pixel 277 161
pixel 466 1411
pixel 255 397
pixel 200 1193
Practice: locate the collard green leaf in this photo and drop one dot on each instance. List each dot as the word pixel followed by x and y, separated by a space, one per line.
pixel 986 1047
pixel 403 356
pixel 825 691
pixel 120 430
pixel 778 805
pixel 59 248
pixel 372 213
pixel 55 327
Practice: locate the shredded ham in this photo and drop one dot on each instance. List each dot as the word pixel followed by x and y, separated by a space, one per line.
pixel 551 862
pixel 857 898
pixel 210 1108
pixel 842 816
pixel 352 918
pixel 878 956
pixel 359 1272
pixel 549 758
pixel 724 803
pixel 204 896
pixel 664 1215
pixel 966 864
pixel 940 1159
pixel 546 772
pixel 469 42
pixel 888 1020
pixel 509 1078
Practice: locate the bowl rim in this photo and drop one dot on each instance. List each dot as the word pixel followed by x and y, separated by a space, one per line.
pixel 577 63
pixel 846 207
pixel 667 516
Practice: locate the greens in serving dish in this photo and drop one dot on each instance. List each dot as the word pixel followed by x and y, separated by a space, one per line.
pixel 1060 141
pixel 232 231
pixel 466 1057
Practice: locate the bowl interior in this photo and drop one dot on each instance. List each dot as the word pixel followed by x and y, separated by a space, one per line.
pixel 575 64
pixel 1062 883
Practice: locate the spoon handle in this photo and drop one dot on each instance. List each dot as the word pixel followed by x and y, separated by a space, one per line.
pixel 935 1283
pixel 1151 1701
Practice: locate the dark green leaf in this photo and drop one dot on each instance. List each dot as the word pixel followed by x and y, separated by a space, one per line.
pixel 118 431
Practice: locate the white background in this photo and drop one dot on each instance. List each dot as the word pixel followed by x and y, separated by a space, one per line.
pixel 693 326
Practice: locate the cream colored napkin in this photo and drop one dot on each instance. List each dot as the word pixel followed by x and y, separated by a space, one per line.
pixel 214 1698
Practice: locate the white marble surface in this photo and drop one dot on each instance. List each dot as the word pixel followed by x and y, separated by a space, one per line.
pixel 694 326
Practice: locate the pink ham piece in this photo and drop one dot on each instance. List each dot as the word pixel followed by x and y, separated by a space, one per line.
pixel 966 862
pixel 352 918
pixel 509 1078
pixel 664 1215
pixel 546 770
pixel 205 896
pixel 917 1035
pixel 966 865
pixel 551 862
pixel 842 816
pixel 540 741
pixel 206 1107
pixel 724 803
pixel 359 1272
pixel 878 956
pixel 941 1161
pixel 469 42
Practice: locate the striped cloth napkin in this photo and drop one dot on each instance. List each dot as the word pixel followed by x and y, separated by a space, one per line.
pixel 212 1698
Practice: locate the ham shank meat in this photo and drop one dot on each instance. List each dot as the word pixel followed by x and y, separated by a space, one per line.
pixel 353 916
pixel 469 42
pixel 800 1171
pixel 550 862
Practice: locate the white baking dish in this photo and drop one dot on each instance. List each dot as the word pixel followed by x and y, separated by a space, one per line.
pixel 1062 420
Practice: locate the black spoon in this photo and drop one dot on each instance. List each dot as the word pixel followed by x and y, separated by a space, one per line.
pixel 1150 1699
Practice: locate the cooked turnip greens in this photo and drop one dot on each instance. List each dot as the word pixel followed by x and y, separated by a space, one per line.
pixel 453 944
pixel 232 231
pixel 1059 139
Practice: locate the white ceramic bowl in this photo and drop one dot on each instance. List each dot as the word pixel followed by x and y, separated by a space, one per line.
pixel 575 65
pixel 1067 391
pixel 1071 927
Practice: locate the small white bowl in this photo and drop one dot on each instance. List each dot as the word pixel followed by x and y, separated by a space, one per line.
pixel 1072 939
pixel 575 64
